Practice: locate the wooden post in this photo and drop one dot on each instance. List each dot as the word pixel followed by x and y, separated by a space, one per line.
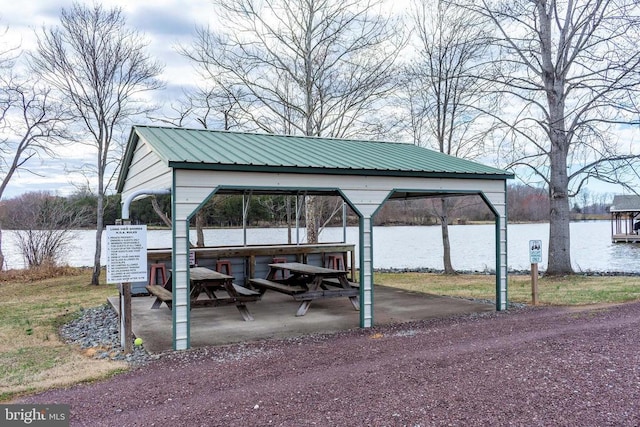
pixel 126 333
pixel 252 269
pixel 534 283
pixel 353 266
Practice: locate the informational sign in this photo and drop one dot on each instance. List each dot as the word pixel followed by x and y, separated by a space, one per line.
pixel 535 251
pixel 126 253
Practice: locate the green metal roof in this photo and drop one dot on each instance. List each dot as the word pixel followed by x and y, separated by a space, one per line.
pixel 220 150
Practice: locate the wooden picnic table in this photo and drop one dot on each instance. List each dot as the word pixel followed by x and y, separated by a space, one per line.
pixel 306 283
pixel 206 286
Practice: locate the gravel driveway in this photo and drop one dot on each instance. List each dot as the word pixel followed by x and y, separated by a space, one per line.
pixel 528 367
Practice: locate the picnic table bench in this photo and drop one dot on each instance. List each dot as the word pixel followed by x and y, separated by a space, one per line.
pixel 307 283
pixel 245 291
pixel 207 282
pixel 264 284
pixel 336 282
pixel 162 296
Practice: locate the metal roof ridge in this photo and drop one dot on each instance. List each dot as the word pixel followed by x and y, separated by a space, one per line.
pixel 278 135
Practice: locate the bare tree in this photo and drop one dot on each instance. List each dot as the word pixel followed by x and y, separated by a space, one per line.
pixel 571 72
pixel 585 197
pixel 207 107
pixel 43 227
pixel 32 123
pixel 100 66
pixel 444 87
pixel 306 67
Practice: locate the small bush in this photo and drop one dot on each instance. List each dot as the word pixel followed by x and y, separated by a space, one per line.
pixel 43 228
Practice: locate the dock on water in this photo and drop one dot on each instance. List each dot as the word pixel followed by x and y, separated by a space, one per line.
pixel 625 219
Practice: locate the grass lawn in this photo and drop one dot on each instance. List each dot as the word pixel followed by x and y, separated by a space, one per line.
pixel 33 358
pixel 567 290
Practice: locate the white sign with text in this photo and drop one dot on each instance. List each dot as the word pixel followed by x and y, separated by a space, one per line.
pixel 126 253
pixel 535 251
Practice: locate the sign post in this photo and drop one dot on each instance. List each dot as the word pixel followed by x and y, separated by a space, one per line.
pixel 126 263
pixel 535 257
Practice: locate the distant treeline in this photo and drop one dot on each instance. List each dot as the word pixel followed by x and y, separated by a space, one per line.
pixel 42 210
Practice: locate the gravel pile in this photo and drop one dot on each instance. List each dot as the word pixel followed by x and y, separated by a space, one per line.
pixel 97 328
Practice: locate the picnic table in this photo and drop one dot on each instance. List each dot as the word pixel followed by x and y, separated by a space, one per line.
pixel 306 283
pixel 208 288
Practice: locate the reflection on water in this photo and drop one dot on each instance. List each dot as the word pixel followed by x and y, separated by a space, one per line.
pixel 624 257
pixel 472 246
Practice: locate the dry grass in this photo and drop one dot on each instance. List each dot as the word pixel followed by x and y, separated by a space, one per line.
pixel 39 273
pixel 32 356
pixel 567 290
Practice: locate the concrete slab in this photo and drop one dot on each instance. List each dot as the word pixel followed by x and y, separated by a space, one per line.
pixel 275 317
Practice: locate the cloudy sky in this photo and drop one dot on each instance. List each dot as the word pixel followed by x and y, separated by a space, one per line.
pixel 166 24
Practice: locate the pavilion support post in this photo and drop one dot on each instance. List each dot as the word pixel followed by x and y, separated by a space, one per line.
pixel 181 287
pixel 366 273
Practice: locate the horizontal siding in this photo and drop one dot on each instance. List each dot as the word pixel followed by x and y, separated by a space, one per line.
pixel 196 179
pixel 146 171
pixel 498 200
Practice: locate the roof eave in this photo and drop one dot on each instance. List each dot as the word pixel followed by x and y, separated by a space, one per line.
pixel 132 142
pixel 335 171
pixel 613 209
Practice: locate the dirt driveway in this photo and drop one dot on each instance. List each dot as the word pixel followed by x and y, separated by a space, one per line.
pixel 548 366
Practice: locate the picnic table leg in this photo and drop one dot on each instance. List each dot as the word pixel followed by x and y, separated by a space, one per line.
pixel 168 285
pixel 355 302
pixel 242 307
pixel 302 310
pixel 209 292
pixel 315 284
pixel 194 292
pixel 244 311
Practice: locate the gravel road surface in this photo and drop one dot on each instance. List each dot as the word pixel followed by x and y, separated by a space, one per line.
pixel 528 367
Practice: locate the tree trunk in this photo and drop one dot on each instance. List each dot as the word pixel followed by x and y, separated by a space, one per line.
pixel 311 218
pixel 1 253
pixel 199 228
pixel 559 261
pixel 446 245
pixel 95 277
pixel 159 212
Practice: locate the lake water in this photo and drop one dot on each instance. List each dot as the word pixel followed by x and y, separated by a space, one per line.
pixel 472 246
